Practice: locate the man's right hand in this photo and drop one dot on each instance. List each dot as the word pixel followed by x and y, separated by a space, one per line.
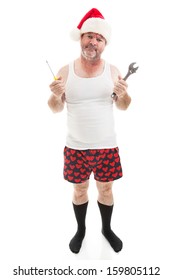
pixel 58 87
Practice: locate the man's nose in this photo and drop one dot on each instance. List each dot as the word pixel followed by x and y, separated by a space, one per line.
pixel 93 41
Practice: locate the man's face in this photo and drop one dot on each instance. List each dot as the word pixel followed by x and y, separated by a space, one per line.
pixel 92 45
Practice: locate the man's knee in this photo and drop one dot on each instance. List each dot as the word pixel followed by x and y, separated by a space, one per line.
pixel 104 188
pixel 105 193
pixel 80 191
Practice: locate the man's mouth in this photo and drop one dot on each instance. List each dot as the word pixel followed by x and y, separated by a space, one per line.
pixel 91 48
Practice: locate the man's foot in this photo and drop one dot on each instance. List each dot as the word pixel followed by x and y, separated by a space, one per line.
pixel 76 242
pixel 113 240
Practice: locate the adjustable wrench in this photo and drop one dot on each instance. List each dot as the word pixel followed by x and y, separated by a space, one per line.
pixel 131 70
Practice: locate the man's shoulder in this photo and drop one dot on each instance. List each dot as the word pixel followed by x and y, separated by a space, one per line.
pixel 63 72
pixel 114 72
pixel 114 69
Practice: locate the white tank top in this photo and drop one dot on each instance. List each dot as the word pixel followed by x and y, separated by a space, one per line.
pixel 90 119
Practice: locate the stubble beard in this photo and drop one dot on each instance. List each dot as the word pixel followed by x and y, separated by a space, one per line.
pixel 90 53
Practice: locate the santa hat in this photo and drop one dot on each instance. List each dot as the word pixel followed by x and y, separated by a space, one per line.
pixel 93 21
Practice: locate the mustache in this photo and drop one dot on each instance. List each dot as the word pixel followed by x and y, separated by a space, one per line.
pixel 91 47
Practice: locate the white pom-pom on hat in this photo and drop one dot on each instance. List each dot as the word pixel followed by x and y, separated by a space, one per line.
pixel 93 21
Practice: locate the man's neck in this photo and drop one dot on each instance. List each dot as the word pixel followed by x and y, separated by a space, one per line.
pixel 87 63
pixel 89 68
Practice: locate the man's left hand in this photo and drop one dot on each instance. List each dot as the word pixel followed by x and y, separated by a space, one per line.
pixel 120 88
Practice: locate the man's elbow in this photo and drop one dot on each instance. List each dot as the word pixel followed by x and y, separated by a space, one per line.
pixel 124 105
pixel 54 109
pixel 128 103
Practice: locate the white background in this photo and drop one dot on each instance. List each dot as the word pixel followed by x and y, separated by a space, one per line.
pixel 37 220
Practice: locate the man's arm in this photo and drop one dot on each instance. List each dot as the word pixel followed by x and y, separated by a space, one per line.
pixel 56 104
pixel 57 99
pixel 122 99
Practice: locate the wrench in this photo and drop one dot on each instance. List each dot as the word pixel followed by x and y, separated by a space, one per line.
pixel 131 70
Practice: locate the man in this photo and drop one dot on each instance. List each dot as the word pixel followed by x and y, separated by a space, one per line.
pixel 86 86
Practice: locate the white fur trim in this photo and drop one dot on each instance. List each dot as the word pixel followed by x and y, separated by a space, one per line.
pixel 75 34
pixel 96 25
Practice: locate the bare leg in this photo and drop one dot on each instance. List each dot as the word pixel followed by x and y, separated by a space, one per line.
pixel 80 195
pixel 105 193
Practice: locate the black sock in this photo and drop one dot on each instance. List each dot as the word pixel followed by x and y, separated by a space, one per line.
pixel 80 214
pixel 106 213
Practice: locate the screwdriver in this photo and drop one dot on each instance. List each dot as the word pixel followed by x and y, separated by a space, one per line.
pixel 55 78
